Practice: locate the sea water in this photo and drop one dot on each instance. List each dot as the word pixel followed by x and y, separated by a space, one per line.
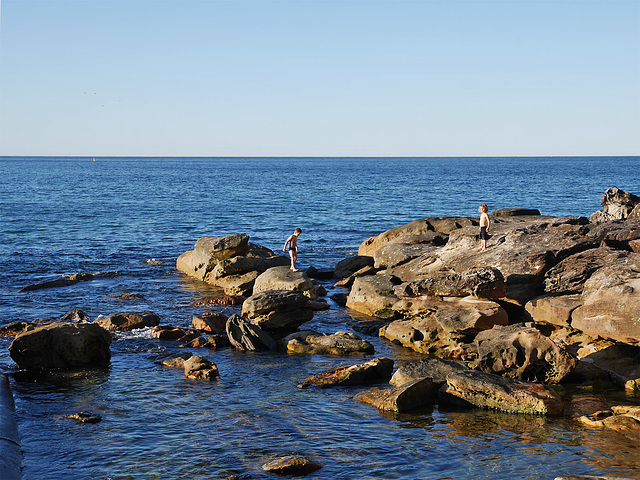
pixel 108 216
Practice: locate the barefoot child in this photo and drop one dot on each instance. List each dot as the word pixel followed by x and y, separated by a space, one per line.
pixel 292 241
pixel 485 223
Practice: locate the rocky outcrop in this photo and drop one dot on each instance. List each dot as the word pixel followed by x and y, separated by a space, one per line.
pixel 520 351
pixel 616 205
pixel 62 345
pixel 230 262
pixel 124 322
pixel 484 282
pixel 440 327
pixel 373 371
pixel 339 343
pixel 611 302
pixel 283 278
pixel 499 393
pixel 59 282
pixel 553 309
pixel 351 265
pixel 277 310
pixel 373 295
pixel 409 396
pixel 436 369
pixel 245 336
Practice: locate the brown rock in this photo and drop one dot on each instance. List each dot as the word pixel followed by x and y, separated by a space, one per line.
pixel 372 371
pixel 519 351
pixel 124 322
pixel 283 278
pixel 210 322
pixel 485 282
pixel 339 343
pixel 372 294
pixel 506 394
pixel 436 369
pixel 410 396
pixel 245 336
pixel 553 309
pixel 226 300
pixel 62 345
pixel 199 368
pixel 13 329
pixel 348 266
pixel 291 465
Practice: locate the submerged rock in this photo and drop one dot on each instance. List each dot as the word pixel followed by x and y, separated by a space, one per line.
pixel 62 345
pixel 85 417
pixel 59 282
pixel 291 465
pixel 124 322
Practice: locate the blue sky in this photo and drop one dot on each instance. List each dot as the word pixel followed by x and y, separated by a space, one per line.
pixel 319 78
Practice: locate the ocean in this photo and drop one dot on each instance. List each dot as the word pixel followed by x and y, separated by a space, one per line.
pixel 61 216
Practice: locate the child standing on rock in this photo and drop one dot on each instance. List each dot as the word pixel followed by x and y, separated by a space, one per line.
pixel 292 241
pixel 485 223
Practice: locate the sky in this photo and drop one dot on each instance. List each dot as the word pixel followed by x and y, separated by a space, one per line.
pixel 319 77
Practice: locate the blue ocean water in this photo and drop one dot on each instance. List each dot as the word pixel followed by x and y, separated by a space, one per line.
pixel 61 216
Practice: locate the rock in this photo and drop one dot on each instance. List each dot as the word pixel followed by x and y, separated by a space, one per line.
pixel 291 465
pixel 340 298
pixel 372 371
pixel 393 254
pixel 59 282
pixel 75 316
pixel 277 310
pixel 85 417
pixel 318 305
pixel 348 266
pixel 522 352
pixel 128 296
pixel 410 396
pixel 348 281
pixel 553 309
pixel 588 477
pixel 485 282
pixel 124 322
pixel 522 253
pixel 226 300
pixel 62 345
pixel 208 252
pixel 313 272
pixel 437 327
pixel 425 226
pixel 199 368
pixel 283 278
pixel 245 336
pixel 571 273
pixel 616 205
pixel 168 332
pixel 211 341
pixel 339 343
pixel 506 394
pixel 177 362
pixel 210 322
pixel 611 302
pixel 622 419
pixel 238 284
pixel 154 262
pixel 515 212
pixel 241 265
pixel 13 329
pixel 435 368
pixel 373 294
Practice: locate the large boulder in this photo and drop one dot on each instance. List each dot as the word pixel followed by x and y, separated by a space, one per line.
pixel 277 310
pixel 245 336
pixel 393 254
pixel 611 302
pixel 241 284
pixel 363 373
pixel 199 368
pixel 522 352
pixel 486 390
pixel 373 294
pixel 283 278
pixel 209 251
pixel 616 205
pixel 62 345
pixel 241 265
pixel 339 343
pixel 124 322
pixel 571 273
pixel 409 396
